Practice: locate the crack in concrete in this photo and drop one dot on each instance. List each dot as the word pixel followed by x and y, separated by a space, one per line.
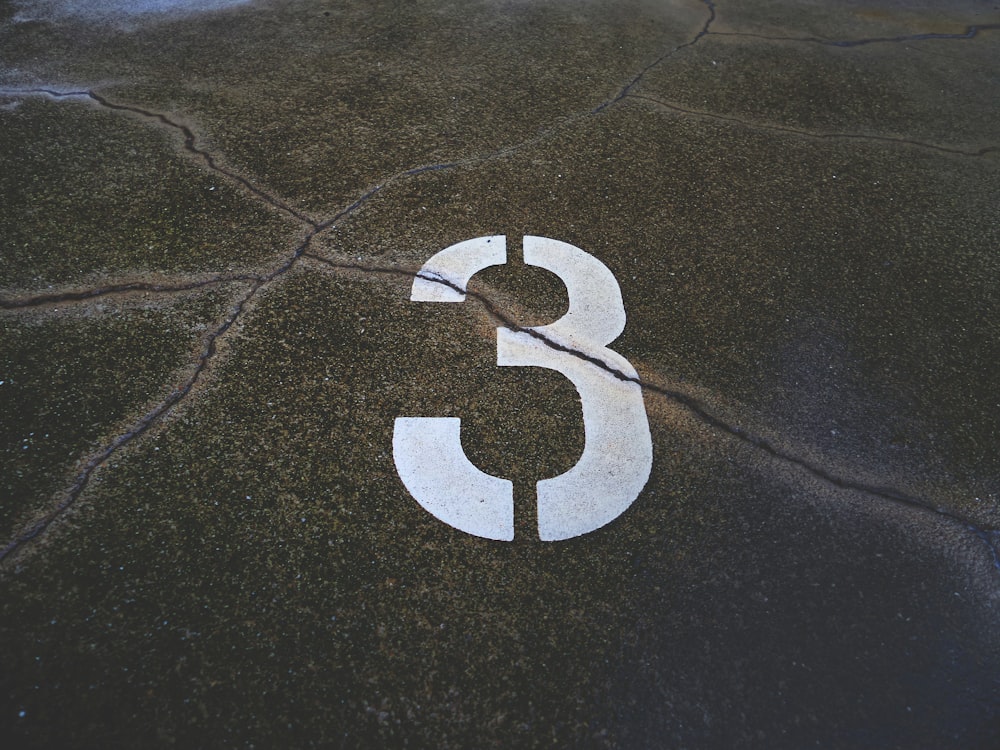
pixel 627 88
pixel 143 425
pixel 190 141
pixel 84 295
pixel 190 145
pixel 69 496
pixel 990 536
pixel 894 140
pixel 971 32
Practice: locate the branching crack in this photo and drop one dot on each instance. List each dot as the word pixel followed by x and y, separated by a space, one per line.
pixel 627 88
pixel 257 282
pixel 137 430
pixel 153 416
pixel 190 142
pixel 698 408
pixel 991 537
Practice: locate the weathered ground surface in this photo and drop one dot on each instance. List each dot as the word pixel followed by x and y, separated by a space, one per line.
pixel 210 221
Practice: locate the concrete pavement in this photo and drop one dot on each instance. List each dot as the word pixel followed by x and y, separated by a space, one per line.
pixel 211 222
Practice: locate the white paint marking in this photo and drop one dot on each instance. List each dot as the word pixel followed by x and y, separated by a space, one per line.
pixel 618 452
pixel 455 265
pixel 430 461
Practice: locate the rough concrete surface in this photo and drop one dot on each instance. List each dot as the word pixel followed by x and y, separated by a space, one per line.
pixel 211 215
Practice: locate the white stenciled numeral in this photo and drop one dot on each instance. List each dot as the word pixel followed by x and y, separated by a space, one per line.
pixel 428 450
pixel 617 454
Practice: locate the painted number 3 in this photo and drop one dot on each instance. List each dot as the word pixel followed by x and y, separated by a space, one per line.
pixel 617 453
